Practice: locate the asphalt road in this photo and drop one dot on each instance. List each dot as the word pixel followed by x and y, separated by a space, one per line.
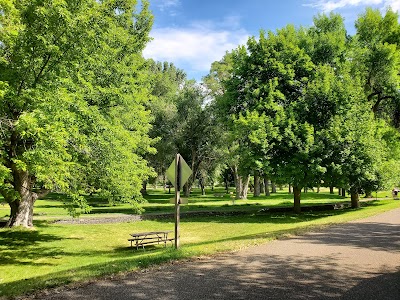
pixel 356 260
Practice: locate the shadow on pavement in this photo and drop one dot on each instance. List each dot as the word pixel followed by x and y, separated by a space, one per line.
pixel 254 277
pixel 377 236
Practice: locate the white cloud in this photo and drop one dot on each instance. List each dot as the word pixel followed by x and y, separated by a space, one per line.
pixel 171 7
pixel 330 5
pixel 193 48
pixel 394 4
pixel 167 4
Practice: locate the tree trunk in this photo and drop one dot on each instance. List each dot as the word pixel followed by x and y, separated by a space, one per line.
pixel 266 186
pixel 245 188
pixel 143 191
pixel 290 188
pixel 331 190
pixel 238 182
pixel 344 192
pixel 13 212
pixel 340 191
pixel 368 194
pixel 21 210
pixel 273 187
pixel 297 196
pixel 355 203
pixel 164 183
pixel 203 188
pixel 186 189
pixel 318 189
pixel 262 188
pixel 227 186
pixel 257 188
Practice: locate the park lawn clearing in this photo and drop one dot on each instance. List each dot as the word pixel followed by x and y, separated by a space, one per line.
pixel 55 254
pixel 52 207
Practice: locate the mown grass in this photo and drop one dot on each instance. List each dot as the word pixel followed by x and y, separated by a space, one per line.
pixel 158 201
pixel 55 254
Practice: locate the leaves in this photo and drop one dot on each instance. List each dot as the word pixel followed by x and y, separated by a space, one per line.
pixel 75 89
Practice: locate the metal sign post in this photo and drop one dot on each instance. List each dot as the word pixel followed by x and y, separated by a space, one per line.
pixel 177 198
pixel 178 173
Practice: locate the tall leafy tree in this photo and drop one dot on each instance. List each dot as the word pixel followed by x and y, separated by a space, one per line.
pixel 166 82
pixel 197 137
pixel 376 56
pixel 73 93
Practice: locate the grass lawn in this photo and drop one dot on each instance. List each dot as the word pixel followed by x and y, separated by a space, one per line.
pixel 56 254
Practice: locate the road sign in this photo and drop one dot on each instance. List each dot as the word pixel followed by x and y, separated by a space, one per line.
pixel 178 173
pixel 185 173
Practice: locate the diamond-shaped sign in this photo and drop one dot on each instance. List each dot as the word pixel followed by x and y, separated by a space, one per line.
pixel 185 172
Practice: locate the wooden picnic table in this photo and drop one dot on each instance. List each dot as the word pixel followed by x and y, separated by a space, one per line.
pixel 152 237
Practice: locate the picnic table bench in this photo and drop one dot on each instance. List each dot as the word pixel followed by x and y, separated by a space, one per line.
pixel 151 237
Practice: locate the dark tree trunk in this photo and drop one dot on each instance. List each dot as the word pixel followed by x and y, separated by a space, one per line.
pixel 340 191
pixel 266 186
pixel 202 187
pixel 273 186
pixel 368 194
pixel 355 203
pixel 144 188
pixel 257 189
pixel 164 182
pixel 331 190
pixel 297 196
pixel 290 188
pixel 344 192
pixel 227 186
pixel 262 188
pixel 318 189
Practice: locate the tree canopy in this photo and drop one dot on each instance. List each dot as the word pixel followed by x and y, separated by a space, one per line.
pixel 73 98
pixel 81 110
pixel 303 102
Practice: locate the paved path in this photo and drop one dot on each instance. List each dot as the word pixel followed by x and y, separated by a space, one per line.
pixel 357 260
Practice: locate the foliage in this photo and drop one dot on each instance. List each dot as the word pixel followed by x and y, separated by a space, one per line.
pixel 166 83
pixel 73 94
pixel 297 103
pixel 377 58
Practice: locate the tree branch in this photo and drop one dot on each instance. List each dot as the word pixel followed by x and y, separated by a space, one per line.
pixel 37 78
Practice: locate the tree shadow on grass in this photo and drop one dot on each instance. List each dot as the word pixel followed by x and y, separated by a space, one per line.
pixel 24 246
pixel 125 259
pixel 14 239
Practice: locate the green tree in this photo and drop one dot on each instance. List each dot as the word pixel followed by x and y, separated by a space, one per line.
pixel 73 94
pixel 166 83
pixel 376 56
pixel 197 136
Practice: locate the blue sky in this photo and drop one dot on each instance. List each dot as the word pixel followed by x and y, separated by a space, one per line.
pixel 192 33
